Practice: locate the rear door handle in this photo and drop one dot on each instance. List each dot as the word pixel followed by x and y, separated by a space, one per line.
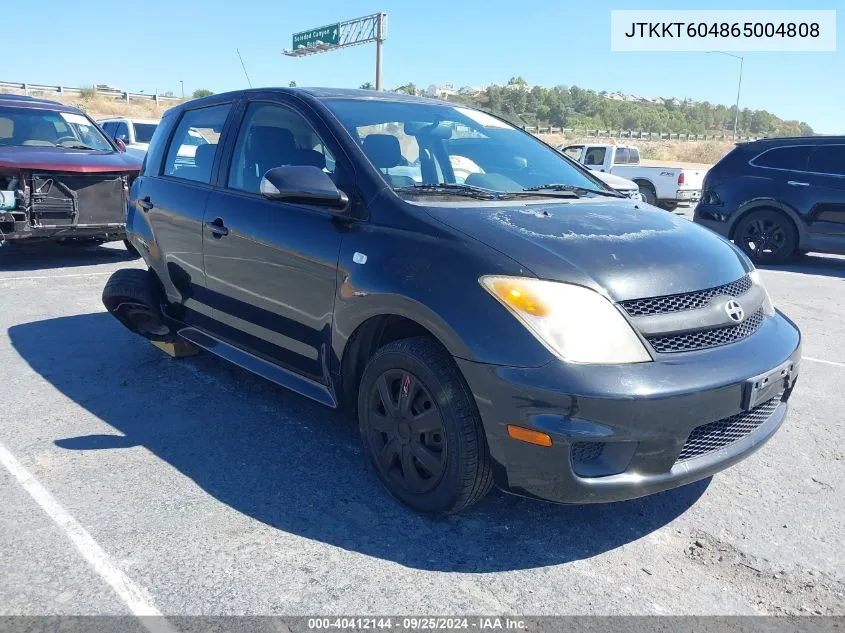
pixel 145 203
pixel 795 183
pixel 217 227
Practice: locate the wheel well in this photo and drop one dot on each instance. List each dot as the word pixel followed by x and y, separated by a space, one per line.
pixel 368 338
pixel 798 232
pixel 644 183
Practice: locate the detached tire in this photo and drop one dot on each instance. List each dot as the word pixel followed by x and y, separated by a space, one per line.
pixel 767 236
pixel 133 297
pixel 421 428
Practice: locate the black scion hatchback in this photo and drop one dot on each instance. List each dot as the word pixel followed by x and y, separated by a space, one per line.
pixel 490 311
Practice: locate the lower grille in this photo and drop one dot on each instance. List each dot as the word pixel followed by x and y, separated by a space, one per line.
pixel 689 341
pixel 715 435
pixel 586 451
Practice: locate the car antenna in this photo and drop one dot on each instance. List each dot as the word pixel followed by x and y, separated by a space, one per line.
pixel 244 67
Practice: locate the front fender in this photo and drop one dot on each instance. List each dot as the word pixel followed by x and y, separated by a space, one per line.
pixel 432 281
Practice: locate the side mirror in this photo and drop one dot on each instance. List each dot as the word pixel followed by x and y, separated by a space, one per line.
pixel 121 146
pixel 303 184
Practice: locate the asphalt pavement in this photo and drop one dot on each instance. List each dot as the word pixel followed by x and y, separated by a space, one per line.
pixel 135 481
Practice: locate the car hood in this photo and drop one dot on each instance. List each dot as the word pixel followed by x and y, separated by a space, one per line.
pixel 624 249
pixel 616 182
pixel 68 160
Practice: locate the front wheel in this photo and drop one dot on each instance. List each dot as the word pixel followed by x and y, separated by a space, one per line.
pixel 421 428
pixel 767 236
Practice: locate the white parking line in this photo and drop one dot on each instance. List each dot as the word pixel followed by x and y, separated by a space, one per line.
pixel 54 276
pixel 823 362
pixel 132 595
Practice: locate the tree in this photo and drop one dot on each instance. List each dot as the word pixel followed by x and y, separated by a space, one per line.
pixel 202 92
pixel 367 86
pixel 292 84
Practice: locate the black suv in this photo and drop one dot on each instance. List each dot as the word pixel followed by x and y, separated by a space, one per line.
pixel 779 196
pixel 489 310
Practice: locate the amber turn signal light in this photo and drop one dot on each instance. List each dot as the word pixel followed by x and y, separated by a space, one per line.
pixel 527 435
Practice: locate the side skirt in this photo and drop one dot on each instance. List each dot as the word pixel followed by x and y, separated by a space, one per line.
pixel 261 367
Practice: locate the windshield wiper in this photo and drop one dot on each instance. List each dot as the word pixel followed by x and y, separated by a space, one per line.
pixel 451 188
pixel 479 192
pixel 575 188
pixel 78 146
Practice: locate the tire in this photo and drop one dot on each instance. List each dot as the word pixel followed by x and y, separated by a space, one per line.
pixel 131 249
pixel 426 390
pixel 132 296
pixel 648 193
pixel 668 205
pixel 767 236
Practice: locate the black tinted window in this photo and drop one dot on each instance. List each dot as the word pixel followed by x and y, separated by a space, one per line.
pixel 144 132
pixel 622 157
pixel 187 160
pixel 828 159
pixel 793 158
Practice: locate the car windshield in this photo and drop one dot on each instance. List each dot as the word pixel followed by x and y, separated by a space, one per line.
pixel 425 145
pixel 144 132
pixel 36 127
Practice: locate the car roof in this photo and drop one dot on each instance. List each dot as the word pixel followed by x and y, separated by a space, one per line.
pixel 795 140
pixel 131 119
pixel 319 94
pixel 23 101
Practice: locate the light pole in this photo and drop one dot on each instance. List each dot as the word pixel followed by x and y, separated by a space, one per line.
pixel 183 88
pixel 738 87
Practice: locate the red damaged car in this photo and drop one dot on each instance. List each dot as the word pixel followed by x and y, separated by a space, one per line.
pixel 61 178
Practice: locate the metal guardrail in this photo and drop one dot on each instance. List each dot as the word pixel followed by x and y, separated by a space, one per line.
pixel 635 134
pixel 28 88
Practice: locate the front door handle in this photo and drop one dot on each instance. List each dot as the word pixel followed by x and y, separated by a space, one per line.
pixel 145 203
pixel 795 183
pixel 217 228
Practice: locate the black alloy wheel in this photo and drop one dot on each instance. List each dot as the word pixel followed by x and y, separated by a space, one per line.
pixel 767 237
pixel 421 428
pixel 406 431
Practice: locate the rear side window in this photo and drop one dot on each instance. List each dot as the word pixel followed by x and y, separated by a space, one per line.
pixel 187 160
pixel 622 156
pixel 595 156
pixel 828 159
pixel 633 156
pixel 573 151
pixel 793 158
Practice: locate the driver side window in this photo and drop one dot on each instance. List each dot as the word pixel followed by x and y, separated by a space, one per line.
pixel 274 136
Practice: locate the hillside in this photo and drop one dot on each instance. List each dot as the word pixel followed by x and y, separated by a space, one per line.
pixel 575 107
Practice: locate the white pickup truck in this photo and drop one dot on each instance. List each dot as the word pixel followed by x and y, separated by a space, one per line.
pixel 667 186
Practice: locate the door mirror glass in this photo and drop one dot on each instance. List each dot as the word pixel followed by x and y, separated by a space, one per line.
pixel 121 146
pixel 302 184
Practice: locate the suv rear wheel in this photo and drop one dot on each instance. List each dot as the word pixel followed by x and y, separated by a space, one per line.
pixel 421 428
pixel 767 236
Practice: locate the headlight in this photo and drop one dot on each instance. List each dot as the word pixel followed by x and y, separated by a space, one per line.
pixel 575 323
pixel 768 308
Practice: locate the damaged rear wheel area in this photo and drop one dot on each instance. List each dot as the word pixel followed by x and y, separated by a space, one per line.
pixel 134 298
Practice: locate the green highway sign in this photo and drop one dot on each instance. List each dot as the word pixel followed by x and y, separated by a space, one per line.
pixel 326 34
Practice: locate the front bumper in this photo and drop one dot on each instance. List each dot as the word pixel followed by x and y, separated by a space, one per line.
pixel 636 418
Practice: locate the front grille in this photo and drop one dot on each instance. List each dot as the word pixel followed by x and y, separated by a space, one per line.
pixel 586 451
pixel 684 301
pixel 703 339
pixel 715 435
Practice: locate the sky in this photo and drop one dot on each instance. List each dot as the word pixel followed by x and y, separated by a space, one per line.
pixel 153 46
